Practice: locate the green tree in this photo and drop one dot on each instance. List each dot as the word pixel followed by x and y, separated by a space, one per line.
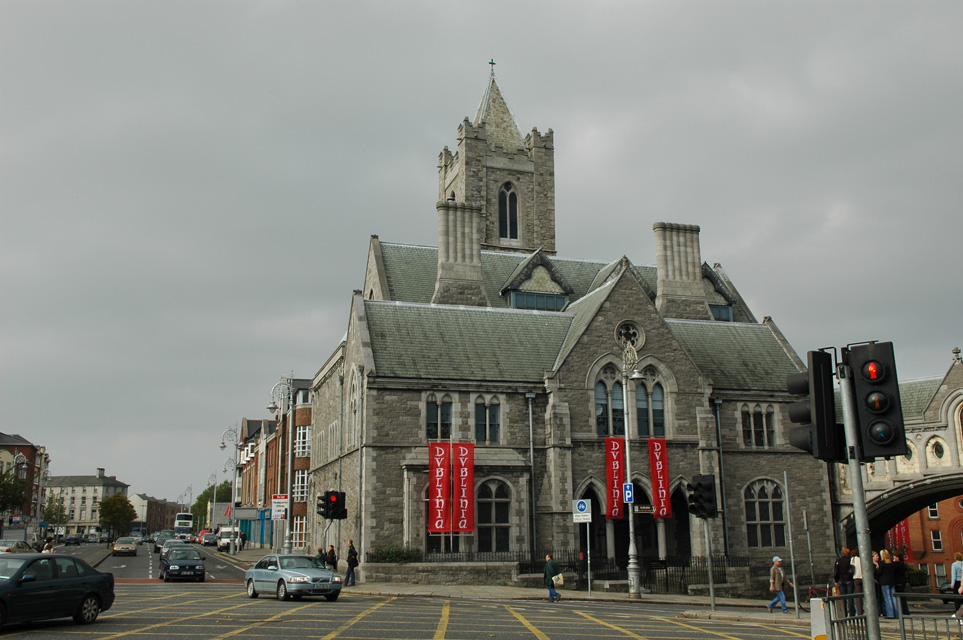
pixel 54 511
pixel 200 506
pixel 13 491
pixel 116 514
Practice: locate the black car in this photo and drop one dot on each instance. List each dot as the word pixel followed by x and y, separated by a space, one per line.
pixel 38 586
pixel 73 538
pixel 181 562
pixel 160 540
pixel 947 589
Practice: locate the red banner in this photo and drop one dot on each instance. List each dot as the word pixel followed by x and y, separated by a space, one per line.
pixel 439 487
pixel 659 465
pixel 899 539
pixel 463 486
pixel 614 477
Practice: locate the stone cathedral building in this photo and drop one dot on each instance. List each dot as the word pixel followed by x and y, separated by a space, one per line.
pixel 497 339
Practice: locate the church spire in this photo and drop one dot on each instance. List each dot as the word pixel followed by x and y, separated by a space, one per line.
pixel 494 111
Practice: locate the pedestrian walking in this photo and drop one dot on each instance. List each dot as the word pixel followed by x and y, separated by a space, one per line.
pixel 886 578
pixel 49 547
pixel 331 559
pixel 956 571
pixel 857 564
pixel 899 569
pixel 843 576
pixel 777 577
pixel 243 539
pixel 553 574
pixel 349 580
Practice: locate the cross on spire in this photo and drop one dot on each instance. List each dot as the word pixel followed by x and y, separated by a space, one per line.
pixel 492 63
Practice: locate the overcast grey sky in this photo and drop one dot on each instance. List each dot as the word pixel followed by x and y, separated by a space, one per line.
pixel 187 189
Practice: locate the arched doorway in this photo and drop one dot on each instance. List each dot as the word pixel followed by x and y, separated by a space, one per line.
pixel 596 528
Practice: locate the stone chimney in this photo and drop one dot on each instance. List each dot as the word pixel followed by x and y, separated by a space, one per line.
pixel 460 278
pixel 681 293
pixel 100 472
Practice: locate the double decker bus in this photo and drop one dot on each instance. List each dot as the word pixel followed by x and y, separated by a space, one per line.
pixel 183 525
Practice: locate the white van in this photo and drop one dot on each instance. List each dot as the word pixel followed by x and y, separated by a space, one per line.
pixel 224 537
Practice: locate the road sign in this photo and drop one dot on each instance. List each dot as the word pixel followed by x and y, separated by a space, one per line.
pixel 279 506
pixel 581 511
pixel 644 508
pixel 627 495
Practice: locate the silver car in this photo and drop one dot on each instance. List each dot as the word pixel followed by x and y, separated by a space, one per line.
pixel 292 576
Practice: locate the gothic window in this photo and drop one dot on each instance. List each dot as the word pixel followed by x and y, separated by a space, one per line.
pixel 487 422
pixel 650 406
pixel 438 418
pixel 765 517
pixel 493 517
pixel 601 409
pixel 758 427
pixel 508 212
pixel 618 411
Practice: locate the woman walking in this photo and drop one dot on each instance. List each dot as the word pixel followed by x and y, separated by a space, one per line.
pixel 886 577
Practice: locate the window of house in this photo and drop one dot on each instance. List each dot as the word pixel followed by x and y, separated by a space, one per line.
pixel 301 485
pixel 618 410
pixel 508 212
pixel 302 440
pixel 933 511
pixel 939 570
pixel 936 540
pixel 758 427
pixel 765 517
pixel 609 404
pixel 601 409
pixel 721 312
pixel 493 527
pixel 650 406
pixel 297 533
pixel 487 426
pixel 537 301
pixel 438 418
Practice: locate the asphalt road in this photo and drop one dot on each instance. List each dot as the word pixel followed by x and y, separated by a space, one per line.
pixel 144 566
pixel 218 611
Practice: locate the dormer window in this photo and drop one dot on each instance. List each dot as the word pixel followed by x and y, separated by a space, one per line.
pixel 508 212
pixel 721 312
pixel 537 301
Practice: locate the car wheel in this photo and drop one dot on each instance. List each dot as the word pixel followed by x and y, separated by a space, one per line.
pixel 167 577
pixel 331 597
pixel 282 590
pixel 89 610
pixel 251 591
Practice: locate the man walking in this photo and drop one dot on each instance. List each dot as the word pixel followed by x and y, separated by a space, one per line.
pixel 776 579
pixel 349 580
pixel 551 570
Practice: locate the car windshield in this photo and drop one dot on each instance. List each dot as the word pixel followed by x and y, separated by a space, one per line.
pixel 184 554
pixel 301 562
pixel 7 543
pixel 125 541
pixel 9 566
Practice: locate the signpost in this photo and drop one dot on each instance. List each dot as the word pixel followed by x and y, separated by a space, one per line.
pixel 279 506
pixel 582 512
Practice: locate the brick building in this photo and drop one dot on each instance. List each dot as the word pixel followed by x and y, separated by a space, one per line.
pixel 495 340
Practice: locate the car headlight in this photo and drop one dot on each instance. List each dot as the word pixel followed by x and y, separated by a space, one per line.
pixel 174 567
pixel 200 567
pixel 298 579
pixel 336 579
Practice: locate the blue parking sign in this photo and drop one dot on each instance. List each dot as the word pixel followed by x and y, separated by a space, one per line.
pixel 627 495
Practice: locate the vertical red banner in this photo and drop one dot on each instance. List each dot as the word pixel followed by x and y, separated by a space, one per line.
pixel 614 477
pixel 439 487
pixel 659 465
pixel 463 486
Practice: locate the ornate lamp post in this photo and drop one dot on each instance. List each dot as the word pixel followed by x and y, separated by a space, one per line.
pixel 283 391
pixel 231 435
pixel 630 337
pixel 213 480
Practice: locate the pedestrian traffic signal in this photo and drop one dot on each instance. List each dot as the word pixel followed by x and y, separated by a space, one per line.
pixel 322 503
pixel 702 496
pixel 878 407
pixel 820 435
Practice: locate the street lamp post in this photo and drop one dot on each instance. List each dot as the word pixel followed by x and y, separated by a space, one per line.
pixel 213 481
pixel 231 435
pixel 630 359
pixel 284 391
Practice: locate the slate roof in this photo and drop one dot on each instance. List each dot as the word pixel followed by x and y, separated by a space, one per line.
pixel 77 481
pixel 738 356
pixel 445 342
pixel 915 395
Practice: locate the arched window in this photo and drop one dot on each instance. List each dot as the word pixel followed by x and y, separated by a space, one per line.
pixel 601 409
pixel 758 427
pixel 508 212
pixel 650 408
pixel 618 412
pixel 494 529
pixel 765 517
pixel 487 425
pixel 437 418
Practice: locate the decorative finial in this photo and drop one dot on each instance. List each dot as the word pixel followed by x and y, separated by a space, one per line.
pixel 956 354
pixel 492 63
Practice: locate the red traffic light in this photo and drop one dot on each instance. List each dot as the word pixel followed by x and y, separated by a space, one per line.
pixel 334 497
pixel 873 371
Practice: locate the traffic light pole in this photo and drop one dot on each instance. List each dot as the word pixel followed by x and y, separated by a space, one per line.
pixel 870 604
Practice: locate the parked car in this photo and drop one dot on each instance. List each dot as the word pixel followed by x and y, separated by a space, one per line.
pixel 15 546
pixel 947 589
pixel 124 547
pixel 209 540
pixel 292 576
pixel 73 538
pixel 181 561
pixel 38 586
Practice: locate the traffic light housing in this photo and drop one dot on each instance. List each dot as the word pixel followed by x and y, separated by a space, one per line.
pixel 820 435
pixel 878 407
pixel 332 505
pixel 702 496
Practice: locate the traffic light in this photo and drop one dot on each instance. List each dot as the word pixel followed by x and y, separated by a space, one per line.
pixel 322 505
pixel 332 505
pixel 820 436
pixel 878 407
pixel 702 496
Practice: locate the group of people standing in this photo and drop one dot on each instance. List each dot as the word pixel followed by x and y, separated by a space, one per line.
pixel 889 570
pixel 330 559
